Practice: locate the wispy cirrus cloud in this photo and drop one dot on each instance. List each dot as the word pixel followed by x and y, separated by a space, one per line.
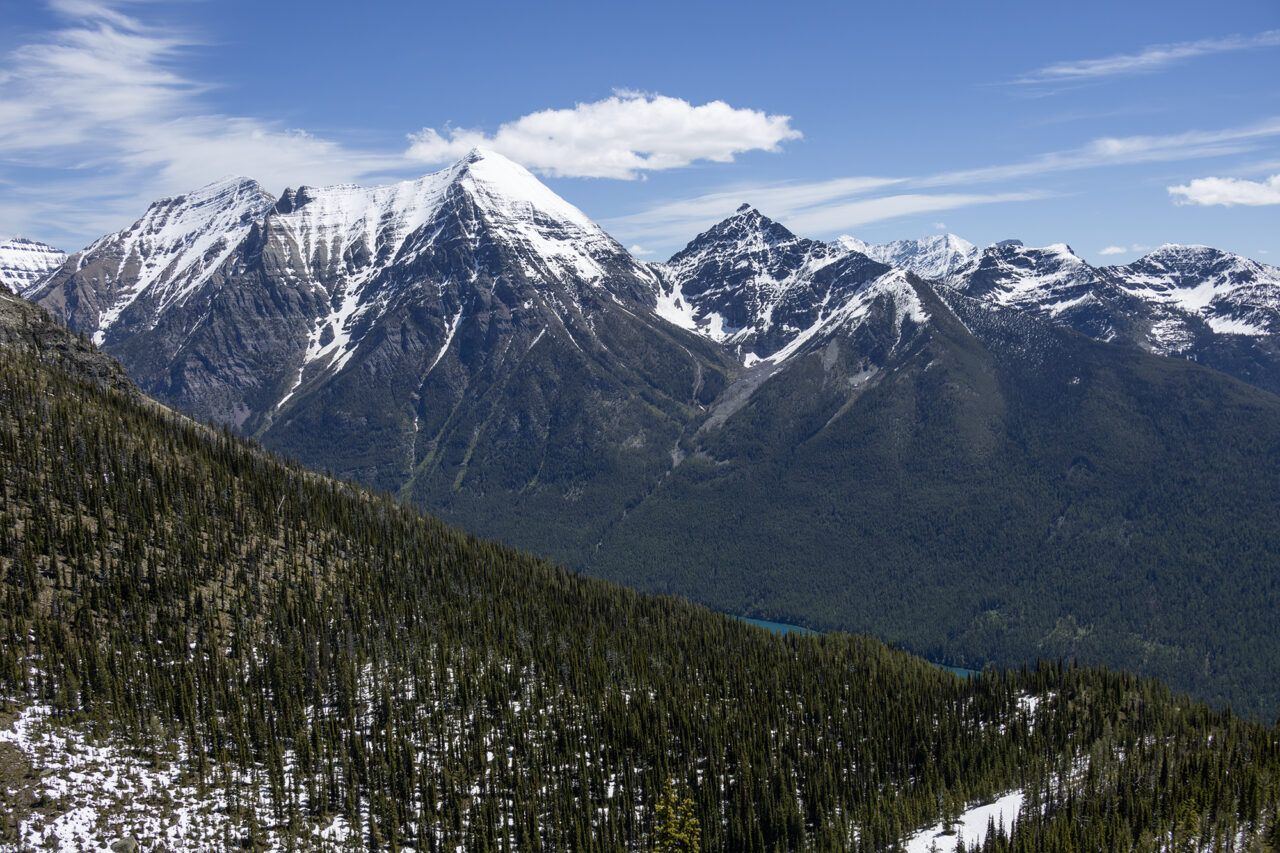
pixel 1228 192
pixel 1120 151
pixel 99 109
pixel 807 208
pixel 826 207
pixel 1151 58
pixel 622 137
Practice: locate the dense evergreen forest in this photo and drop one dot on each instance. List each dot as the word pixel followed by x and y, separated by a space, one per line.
pixel 168 584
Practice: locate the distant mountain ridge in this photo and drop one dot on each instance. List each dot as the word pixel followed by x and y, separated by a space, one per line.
pixel 24 263
pixel 773 425
pixel 1194 302
pixel 927 257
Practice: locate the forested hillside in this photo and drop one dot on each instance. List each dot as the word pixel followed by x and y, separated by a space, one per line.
pixel 322 668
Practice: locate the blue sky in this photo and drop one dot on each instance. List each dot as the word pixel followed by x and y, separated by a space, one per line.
pixel 1113 127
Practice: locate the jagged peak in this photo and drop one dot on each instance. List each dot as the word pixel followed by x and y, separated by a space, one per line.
pixel 747 230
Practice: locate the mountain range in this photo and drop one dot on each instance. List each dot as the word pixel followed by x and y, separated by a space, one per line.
pixel 206 647
pixel 983 455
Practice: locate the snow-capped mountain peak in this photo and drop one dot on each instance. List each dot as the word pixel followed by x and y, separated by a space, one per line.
pixel 751 284
pixel 746 231
pixel 729 281
pixel 928 257
pixel 1232 294
pixel 24 264
pixel 556 237
pixel 509 189
pixel 177 244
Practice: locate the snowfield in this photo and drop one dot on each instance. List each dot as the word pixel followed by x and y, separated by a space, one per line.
pixel 971 827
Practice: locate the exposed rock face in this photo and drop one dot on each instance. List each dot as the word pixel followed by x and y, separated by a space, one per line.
pixel 28 328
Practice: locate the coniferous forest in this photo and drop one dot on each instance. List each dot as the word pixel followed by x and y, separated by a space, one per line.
pixel 177 591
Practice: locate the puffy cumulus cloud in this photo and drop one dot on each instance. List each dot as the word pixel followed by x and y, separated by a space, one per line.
pixel 621 137
pixel 1228 192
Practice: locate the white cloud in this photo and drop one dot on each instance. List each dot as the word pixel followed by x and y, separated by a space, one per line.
pixel 1148 59
pixel 1228 191
pixel 940 226
pixel 677 221
pixel 1134 249
pixel 99 108
pixel 835 217
pixel 809 209
pixel 826 206
pixel 1119 151
pixel 622 136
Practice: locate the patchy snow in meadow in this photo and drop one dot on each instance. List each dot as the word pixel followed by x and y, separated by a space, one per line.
pixel 91 794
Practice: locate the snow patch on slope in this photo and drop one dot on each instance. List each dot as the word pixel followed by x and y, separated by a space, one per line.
pixel 99 792
pixel 971 827
pixel 672 307
pixel 892 284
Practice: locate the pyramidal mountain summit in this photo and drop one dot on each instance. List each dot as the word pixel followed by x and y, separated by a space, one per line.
pixel 840 434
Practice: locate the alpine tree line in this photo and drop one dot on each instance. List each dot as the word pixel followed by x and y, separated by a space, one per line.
pixel 166 583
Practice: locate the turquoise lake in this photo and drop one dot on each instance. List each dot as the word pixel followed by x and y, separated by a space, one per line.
pixel 782 629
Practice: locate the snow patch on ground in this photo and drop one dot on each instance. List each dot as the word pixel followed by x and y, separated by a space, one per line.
pixel 971 827
pixel 94 792
pixel 672 307
pixel 1235 326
